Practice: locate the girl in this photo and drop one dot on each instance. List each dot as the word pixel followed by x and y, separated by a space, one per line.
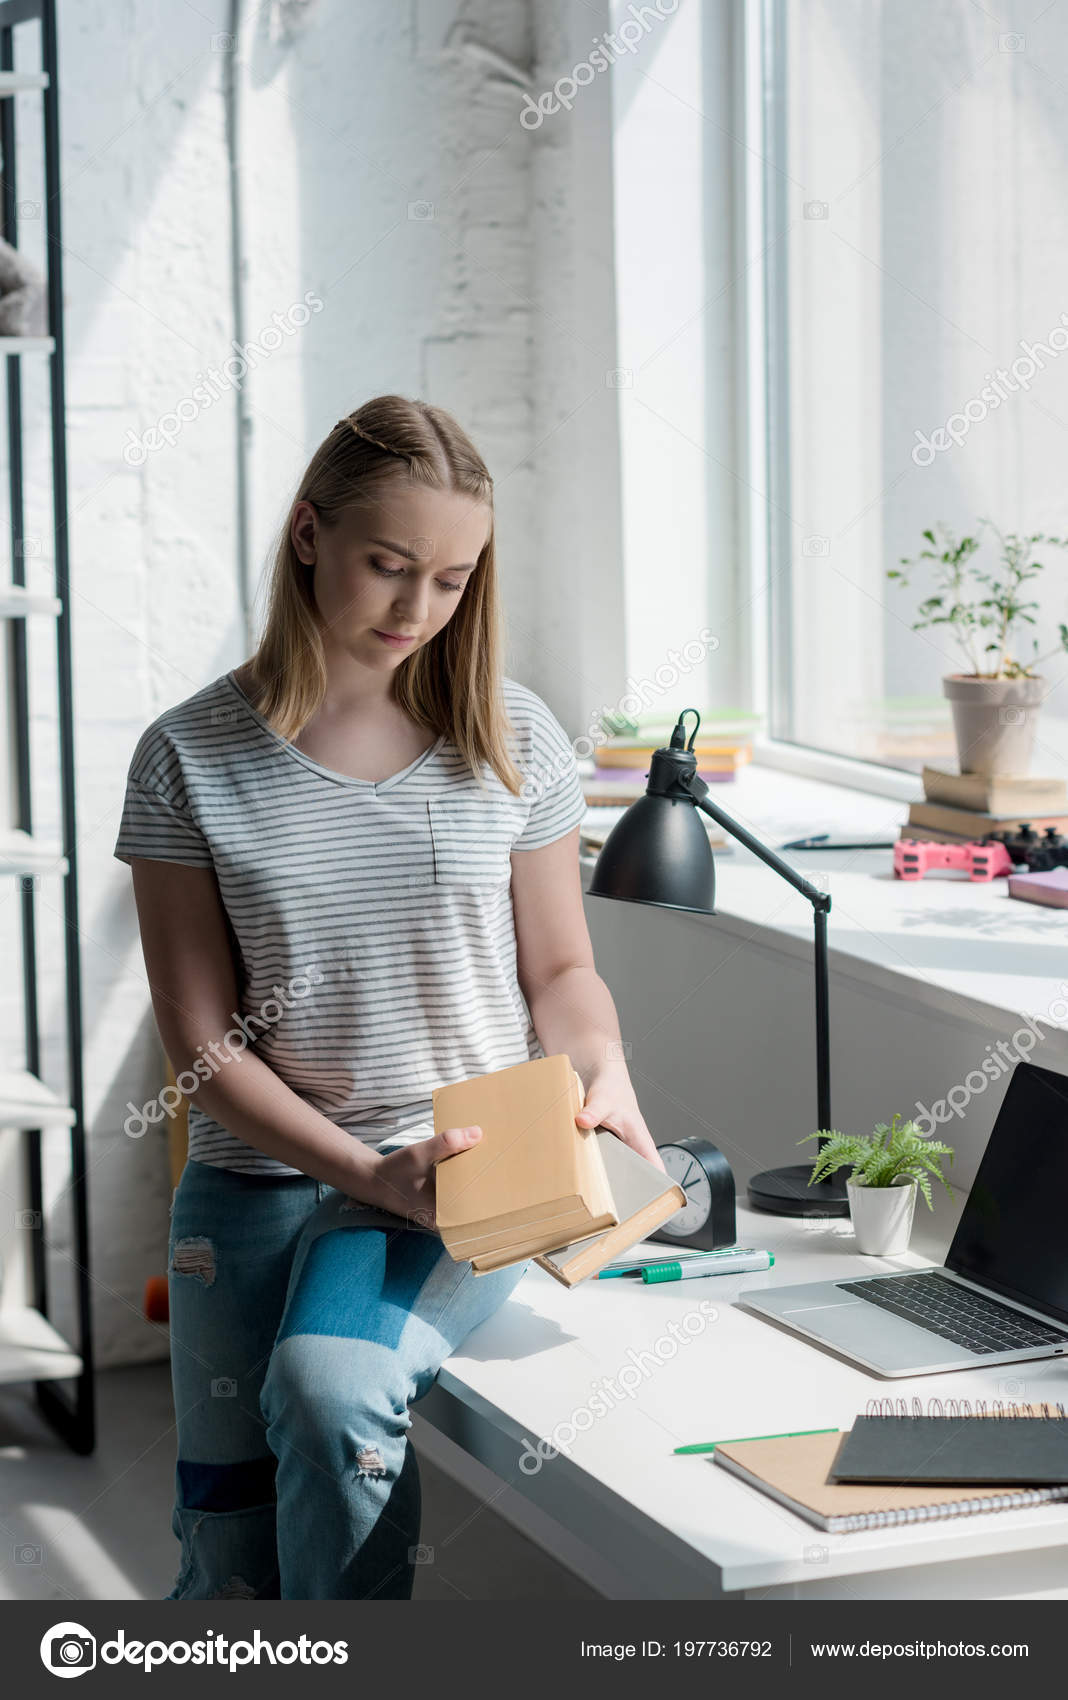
pixel 348 894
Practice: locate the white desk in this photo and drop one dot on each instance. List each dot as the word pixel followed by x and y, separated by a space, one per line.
pixel 679 1527
pixel 652 1525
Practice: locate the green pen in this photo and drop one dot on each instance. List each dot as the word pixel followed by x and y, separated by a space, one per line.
pixel 727 1262
pixel 791 1434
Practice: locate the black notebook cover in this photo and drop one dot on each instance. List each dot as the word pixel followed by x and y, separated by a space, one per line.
pixel 1029 1451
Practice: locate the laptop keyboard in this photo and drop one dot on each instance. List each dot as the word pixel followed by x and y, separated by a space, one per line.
pixel 954 1312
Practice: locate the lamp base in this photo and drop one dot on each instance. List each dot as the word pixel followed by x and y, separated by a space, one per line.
pixel 786 1192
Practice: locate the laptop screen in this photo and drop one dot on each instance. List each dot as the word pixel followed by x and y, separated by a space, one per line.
pixel 1011 1236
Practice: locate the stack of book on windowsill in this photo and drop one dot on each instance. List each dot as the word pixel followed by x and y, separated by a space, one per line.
pixel 621 763
pixel 722 744
pixel 959 808
pixel 536 1185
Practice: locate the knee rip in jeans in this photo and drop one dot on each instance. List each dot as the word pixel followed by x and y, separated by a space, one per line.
pixel 369 1462
pixel 236 1589
pixel 194 1255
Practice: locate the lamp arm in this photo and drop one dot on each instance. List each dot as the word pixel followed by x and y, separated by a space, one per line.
pixel 821 903
pixel 820 900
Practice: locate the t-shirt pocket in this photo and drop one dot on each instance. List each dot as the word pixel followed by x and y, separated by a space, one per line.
pixel 473 836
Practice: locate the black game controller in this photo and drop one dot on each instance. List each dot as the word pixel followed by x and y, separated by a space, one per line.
pixel 1038 852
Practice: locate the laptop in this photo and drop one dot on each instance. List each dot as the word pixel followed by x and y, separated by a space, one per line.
pixel 1002 1295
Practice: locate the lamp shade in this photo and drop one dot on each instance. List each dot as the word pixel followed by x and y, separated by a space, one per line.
pixel 658 853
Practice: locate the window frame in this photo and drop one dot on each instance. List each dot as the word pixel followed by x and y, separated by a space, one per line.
pixel 764 390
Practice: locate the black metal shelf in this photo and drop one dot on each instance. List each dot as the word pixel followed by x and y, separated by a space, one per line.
pixel 30 1347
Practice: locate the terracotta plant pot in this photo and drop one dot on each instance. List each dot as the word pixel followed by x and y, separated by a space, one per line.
pixel 994 721
pixel 882 1216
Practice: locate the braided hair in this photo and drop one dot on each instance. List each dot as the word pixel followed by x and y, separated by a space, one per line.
pixel 350 423
pixel 424 438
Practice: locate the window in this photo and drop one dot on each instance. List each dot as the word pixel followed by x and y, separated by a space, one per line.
pixel 911 175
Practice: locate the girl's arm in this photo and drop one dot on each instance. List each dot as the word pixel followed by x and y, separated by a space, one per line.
pixel 194 990
pixel 569 1003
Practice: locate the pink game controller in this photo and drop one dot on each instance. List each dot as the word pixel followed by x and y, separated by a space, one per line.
pixel 913 857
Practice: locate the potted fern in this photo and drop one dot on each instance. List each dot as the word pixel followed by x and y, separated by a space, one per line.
pixel 889 1166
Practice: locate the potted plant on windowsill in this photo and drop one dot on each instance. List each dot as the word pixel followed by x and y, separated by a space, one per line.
pixel 889 1166
pixel 996 702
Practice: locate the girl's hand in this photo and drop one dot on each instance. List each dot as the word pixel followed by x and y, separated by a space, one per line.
pixel 403 1181
pixel 610 1102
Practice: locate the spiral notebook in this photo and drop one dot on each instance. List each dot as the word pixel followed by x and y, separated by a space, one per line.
pixel 796 1471
pixel 1019 1445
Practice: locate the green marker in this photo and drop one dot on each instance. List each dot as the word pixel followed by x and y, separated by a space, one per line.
pixel 791 1434
pixel 729 1262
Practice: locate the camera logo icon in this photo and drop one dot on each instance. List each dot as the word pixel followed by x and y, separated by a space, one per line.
pixel 68 1649
pixel 1010 1388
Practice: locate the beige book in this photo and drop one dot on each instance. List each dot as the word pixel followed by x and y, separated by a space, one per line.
pixel 645 1197
pixel 970 825
pixel 534 1174
pixel 722 753
pixel 795 1471
pixel 998 794
pixel 528 1239
pixel 522 1252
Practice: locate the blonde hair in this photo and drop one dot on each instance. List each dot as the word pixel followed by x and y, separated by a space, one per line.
pixel 450 685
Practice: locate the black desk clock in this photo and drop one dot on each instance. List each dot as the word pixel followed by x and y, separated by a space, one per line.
pixel 707 1220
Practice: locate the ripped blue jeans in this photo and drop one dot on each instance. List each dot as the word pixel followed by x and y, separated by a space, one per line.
pixel 303 1325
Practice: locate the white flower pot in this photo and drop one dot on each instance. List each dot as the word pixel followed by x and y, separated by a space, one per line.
pixel 882 1216
pixel 994 721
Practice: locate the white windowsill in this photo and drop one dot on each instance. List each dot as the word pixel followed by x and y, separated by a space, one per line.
pixel 855 775
pixel 961 948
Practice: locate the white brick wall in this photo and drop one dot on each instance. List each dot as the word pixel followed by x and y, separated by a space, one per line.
pixel 498 306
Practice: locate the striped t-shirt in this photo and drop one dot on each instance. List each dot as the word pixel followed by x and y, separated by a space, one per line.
pixel 373 926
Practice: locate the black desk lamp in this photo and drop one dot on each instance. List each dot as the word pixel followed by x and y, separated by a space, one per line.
pixel 659 853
